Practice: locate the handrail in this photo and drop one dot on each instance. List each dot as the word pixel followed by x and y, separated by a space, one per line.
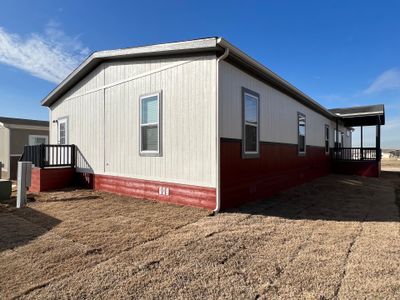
pixel 44 156
pixel 356 154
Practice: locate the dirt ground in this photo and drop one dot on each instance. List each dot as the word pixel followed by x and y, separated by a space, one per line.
pixel 390 164
pixel 337 237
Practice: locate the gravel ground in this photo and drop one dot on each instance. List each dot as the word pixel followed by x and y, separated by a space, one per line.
pixel 336 237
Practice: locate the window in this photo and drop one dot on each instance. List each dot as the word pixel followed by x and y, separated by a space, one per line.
pixel 348 133
pixel 301 121
pixel 326 139
pixel 251 116
pixel 38 139
pixel 150 108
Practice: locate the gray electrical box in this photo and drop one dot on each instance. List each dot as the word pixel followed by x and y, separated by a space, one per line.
pixel 24 181
pixel 5 189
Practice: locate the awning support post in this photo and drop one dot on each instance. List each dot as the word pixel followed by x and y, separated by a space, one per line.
pixel 362 138
pixel 378 140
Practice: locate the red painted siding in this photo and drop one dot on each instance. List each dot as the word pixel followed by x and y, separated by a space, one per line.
pixel 146 189
pixel 361 168
pixel 279 167
pixel 51 179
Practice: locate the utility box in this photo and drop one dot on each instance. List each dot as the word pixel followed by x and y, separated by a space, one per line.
pixel 24 181
pixel 5 189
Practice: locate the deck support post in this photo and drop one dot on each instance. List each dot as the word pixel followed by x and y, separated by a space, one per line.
pixel 362 142
pixel 337 135
pixel 42 156
pixel 336 139
pixel 378 140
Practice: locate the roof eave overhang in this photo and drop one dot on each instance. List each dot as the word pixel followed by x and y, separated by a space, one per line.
pixel 95 59
pixel 362 115
pixel 273 79
pixel 196 46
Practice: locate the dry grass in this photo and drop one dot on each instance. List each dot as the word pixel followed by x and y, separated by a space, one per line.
pixel 336 237
pixel 391 164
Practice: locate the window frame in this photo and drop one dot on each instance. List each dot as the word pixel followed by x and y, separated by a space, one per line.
pixel 255 95
pixel 301 115
pixel 327 138
pixel 159 123
pixel 34 136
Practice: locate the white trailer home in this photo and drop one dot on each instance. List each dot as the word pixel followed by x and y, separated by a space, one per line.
pixel 197 123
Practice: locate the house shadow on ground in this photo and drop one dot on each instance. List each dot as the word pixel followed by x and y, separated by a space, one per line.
pixel 20 226
pixel 334 198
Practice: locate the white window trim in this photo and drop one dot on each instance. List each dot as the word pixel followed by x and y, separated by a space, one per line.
pixel 256 96
pixel 150 152
pixel 301 153
pixel 34 136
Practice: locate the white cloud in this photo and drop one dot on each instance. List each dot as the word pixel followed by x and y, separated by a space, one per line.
pixel 51 55
pixel 388 80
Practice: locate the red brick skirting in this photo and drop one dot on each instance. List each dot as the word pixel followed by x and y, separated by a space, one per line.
pixel 146 189
pixel 51 179
pixel 279 167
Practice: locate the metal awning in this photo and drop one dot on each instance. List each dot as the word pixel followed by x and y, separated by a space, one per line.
pixel 361 115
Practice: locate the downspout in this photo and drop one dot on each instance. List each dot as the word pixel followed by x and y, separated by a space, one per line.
pixel 50 135
pixel 218 194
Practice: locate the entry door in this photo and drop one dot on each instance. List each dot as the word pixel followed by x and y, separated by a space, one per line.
pixel 63 131
pixel 62 156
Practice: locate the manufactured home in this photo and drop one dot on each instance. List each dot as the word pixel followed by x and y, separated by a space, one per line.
pixel 196 123
pixel 14 135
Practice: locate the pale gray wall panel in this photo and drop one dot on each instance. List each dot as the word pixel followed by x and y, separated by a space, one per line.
pixel 278 112
pixel 104 124
pixel 5 148
pixel 188 104
pixel 85 128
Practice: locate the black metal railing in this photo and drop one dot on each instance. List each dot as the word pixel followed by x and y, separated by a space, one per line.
pixel 45 156
pixel 356 154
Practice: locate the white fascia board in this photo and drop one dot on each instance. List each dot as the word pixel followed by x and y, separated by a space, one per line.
pixel 371 113
pixel 27 127
pixel 158 49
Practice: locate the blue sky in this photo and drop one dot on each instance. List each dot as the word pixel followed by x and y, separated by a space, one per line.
pixel 341 53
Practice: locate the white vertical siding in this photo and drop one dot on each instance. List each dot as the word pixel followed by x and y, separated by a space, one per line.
pixel 278 112
pixel 104 122
pixel 85 128
pixel 5 148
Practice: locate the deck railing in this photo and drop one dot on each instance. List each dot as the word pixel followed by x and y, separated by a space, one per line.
pixel 356 154
pixel 45 156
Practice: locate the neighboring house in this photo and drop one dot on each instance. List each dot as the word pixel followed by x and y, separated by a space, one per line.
pixel 387 153
pixel 198 123
pixel 395 154
pixel 14 135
